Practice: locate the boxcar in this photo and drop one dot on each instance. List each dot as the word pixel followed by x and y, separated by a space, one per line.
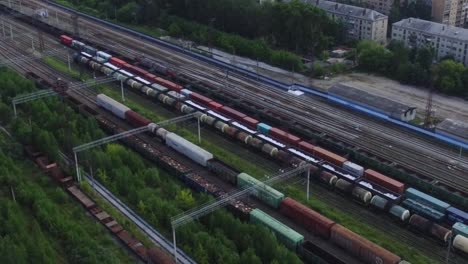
pixel 285 234
pixel 306 217
pixel 263 192
pixel 362 248
pixel 384 181
pixel 426 199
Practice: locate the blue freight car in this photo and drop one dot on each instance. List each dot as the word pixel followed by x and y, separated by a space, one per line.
pixel 426 199
pixel 456 215
pixel 263 128
pixel 460 229
pixel 423 210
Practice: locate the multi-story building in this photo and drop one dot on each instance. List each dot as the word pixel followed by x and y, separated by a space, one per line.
pixel 450 12
pixel 446 40
pixel 360 23
pixel 445 11
pixel 462 11
pixel 382 6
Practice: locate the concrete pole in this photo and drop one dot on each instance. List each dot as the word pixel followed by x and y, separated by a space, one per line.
pixel 199 135
pixel 32 43
pixel 3 27
pixel 56 18
pixel 92 177
pixel 174 242
pixel 122 90
pixel 77 168
pixel 308 178
pixel 68 60
pixel 11 32
pixel 14 108
pixel 447 257
pixel 461 150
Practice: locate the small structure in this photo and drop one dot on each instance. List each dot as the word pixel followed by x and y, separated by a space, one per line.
pixel 453 128
pixel 359 97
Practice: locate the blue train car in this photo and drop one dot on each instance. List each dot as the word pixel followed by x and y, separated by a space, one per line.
pixel 455 215
pixel 90 50
pixel 460 229
pixel 263 128
pixel 426 199
pixel 423 210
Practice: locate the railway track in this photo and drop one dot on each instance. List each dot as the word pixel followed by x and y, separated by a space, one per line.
pixel 89 95
pixel 406 150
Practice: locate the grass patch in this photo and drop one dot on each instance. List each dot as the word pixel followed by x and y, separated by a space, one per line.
pixel 61 66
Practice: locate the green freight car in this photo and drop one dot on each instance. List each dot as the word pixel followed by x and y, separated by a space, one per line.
pixel 263 192
pixel 286 235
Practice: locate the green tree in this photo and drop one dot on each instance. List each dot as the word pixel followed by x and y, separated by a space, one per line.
pixel 185 199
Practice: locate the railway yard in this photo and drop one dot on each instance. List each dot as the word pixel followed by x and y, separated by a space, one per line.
pixel 280 131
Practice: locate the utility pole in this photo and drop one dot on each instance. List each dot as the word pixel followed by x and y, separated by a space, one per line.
pixel 41 41
pixel 428 117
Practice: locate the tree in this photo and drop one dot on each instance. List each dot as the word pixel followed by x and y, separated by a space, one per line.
pixel 185 199
pixel 424 57
pixel 249 256
pixel 373 57
pixel 449 77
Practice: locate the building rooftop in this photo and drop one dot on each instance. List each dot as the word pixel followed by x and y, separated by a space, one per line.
pixel 349 10
pixel 454 127
pixel 385 105
pixel 433 28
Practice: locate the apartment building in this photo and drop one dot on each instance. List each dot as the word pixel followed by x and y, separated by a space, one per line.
pixel 445 39
pixel 360 23
pixel 450 12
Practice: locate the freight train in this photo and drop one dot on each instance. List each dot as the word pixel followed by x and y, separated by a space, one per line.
pixel 367 186
pixel 363 249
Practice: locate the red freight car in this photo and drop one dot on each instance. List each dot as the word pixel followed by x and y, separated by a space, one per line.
pixel 200 99
pixel 138 71
pixel 45 164
pixel 141 251
pixel 329 156
pixel 360 247
pixel 384 181
pixel 57 173
pixel 117 62
pixel 311 220
pixel 250 122
pixel 66 40
pixel 81 197
pixel 214 105
pixel 232 113
pixel 157 256
pixel 136 119
pixel 32 152
pixel 150 77
pixel 306 146
pixel 285 136
pixel 168 84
